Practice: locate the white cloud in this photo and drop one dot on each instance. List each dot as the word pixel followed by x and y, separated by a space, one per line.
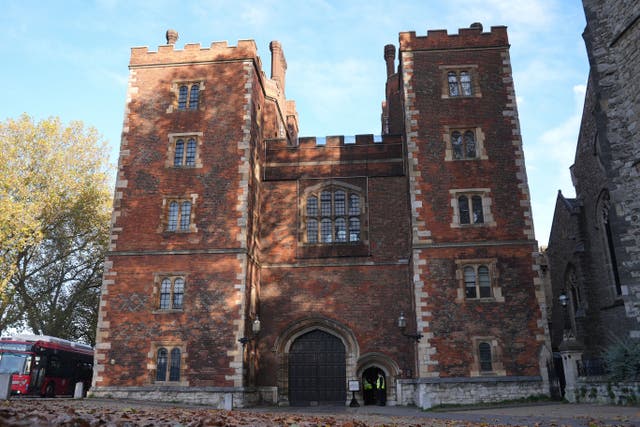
pixel 560 142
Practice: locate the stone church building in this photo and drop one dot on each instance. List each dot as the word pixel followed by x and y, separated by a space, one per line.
pixel 594 247
pixel 248 264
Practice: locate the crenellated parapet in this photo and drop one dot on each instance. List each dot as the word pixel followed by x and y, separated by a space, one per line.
pixel 193 53
pixel 313 157
pixel 466 38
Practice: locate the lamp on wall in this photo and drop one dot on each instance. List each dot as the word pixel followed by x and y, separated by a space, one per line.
pixel 563 299
pixel 567 330
pixel 402 324
pixel 255 329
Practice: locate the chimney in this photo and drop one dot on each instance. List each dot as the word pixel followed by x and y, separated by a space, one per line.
pixel 172 36
pixel 278 64
pixel 390 57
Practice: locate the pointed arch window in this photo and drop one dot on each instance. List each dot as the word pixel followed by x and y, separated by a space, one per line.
pixel 604 212
pixel 459 83
pixel 464 144
pixel 168 364
pixel 161 364
pixel 174 367
pixel 471 207
pixel 477 281
pixel 189 96
pixel 171 295
pixel 179 216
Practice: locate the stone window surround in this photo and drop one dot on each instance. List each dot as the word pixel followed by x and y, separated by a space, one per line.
pixel 481 152
pixel 603 211
pixel 164 216
pixel 496 289
pixel 333 185
pixel 475 81
pixel 484 193
pixel 171 149
pixel 157 282
pixel 175 90
pixel 496 357
pixel 152 361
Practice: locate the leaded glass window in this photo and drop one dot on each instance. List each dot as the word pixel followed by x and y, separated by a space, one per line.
pixel 484 353
pixel 161 365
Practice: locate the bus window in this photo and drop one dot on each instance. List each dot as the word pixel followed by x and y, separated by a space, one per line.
pixel 11 363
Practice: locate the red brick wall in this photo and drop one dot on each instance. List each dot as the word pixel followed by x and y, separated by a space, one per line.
pixel 205 325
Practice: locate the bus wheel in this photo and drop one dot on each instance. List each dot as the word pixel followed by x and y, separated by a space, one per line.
pixel 50 390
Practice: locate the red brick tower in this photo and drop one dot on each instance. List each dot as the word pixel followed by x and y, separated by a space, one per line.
pixel 223 216
pixel 476 288
pixel 182 263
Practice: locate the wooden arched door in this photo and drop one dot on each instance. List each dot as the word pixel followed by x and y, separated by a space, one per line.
pixel 317 370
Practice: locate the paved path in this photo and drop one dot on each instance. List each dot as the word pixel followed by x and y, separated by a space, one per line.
pixel 544 414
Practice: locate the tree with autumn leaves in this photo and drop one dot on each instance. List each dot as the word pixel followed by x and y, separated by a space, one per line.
pixel 54 226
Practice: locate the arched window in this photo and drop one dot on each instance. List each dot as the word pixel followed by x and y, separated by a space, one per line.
pixel 459 83
pixel 470 144
pixel 452 79
pixel 484 356
pixel 465 83
pixel 337 216
pixel 463 207
pixel 463 144
pixel 189 96
pixel 161 365
pixel 484 283
pixel 179 216
pixel 179 153
pixel 172 222
pixel 193 97
pixel 604 211
pixel 174 368
pixel 476 205
pixel 470 282
pixel 165 294
pixel 477 281
pixel 171 293
pixel 183 93
pixel 178 293
pixel 191 152
pixel 166 361
pixel 456 144
pixel 185 216
pixel 339 203
pixel 182 157
pixel 325 203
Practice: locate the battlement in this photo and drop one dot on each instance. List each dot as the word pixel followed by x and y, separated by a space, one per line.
pixel 334 141
pixel 194 53
pixel 466 38
pixel 360 155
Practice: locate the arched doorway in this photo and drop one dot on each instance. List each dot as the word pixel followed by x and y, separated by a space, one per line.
pixel 317 369
pixel 371 393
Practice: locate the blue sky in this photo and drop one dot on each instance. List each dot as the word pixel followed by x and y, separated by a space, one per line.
pixel 69 59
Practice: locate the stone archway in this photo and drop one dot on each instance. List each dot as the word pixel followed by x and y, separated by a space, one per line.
pixel 298 329
pixel 372 362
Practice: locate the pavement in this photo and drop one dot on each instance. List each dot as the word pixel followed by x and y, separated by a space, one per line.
pixel 543 414
pixel 540 414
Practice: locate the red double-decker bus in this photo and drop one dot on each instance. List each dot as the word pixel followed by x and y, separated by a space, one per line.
pixel 45 366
